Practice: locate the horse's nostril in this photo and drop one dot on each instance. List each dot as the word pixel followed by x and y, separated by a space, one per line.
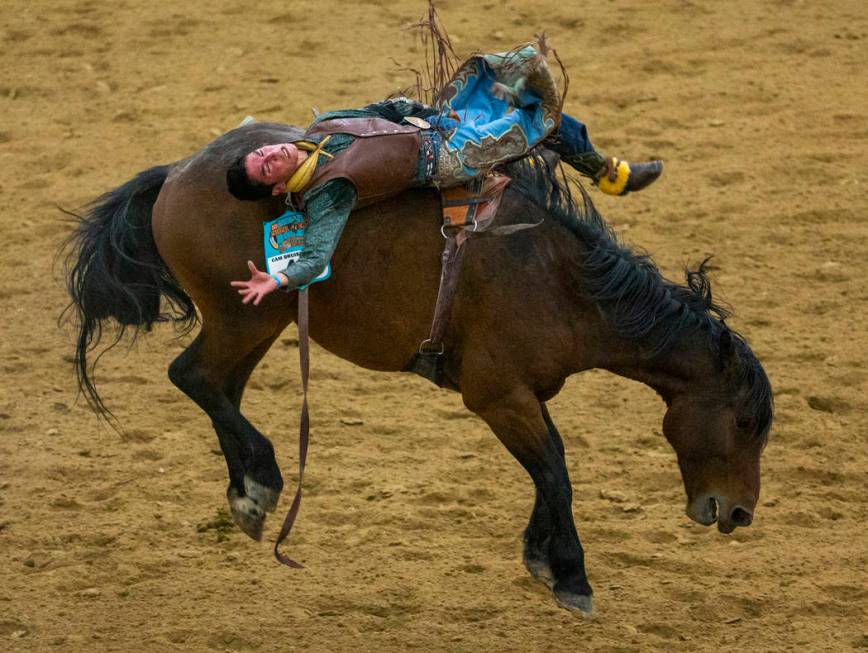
pixel 741 517
pixel 711 507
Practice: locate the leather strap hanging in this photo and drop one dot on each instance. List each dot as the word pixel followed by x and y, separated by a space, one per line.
pixel 304 426
pixel 453 255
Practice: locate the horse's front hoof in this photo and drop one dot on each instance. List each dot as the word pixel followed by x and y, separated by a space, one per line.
pixel 581 603
pixel 246 514
pixel 264 497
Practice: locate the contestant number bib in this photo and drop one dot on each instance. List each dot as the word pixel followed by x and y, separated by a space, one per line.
pixel 284 243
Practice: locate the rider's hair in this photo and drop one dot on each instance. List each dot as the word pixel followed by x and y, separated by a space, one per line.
pixel 241 186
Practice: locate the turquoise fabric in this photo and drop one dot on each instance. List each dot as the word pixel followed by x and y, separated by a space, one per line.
pixel 490 130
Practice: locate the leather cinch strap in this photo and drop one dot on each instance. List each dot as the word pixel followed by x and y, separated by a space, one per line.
pixel 453 254
pixel 304 427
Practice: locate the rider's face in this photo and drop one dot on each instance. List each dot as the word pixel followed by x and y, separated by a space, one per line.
pixel 272 164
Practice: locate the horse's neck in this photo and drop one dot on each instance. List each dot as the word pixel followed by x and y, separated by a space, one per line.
pixel 682 368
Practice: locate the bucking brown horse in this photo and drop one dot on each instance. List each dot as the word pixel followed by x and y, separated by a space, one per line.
pixel 530 309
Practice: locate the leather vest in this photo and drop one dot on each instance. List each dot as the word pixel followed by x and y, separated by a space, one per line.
pixel 380 162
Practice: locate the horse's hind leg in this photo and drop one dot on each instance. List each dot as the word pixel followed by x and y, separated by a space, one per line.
pixel 517 418
pixel 265 496
pixel 213 372
pixel 537 535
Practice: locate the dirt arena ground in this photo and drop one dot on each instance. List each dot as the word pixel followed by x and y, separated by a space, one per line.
pixel 411 524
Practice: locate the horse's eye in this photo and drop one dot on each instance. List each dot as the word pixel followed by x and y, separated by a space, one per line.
pixel 744 423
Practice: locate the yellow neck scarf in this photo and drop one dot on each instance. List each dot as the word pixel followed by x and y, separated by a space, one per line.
pixel 304 172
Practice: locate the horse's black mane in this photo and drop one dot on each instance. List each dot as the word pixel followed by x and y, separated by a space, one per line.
pixel 638 302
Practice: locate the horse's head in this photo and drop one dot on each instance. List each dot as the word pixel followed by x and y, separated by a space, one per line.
pixel 718 428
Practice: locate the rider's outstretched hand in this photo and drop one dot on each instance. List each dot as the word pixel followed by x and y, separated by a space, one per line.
pixel 260 284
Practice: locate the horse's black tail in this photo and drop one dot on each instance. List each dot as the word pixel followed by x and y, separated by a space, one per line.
pixel 114 271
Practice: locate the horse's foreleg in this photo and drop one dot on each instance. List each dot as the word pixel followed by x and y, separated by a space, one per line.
pixel 213 372
pixel 519 421
pixel 537 535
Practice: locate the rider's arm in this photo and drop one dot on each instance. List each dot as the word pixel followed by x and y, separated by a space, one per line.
pixel 327 208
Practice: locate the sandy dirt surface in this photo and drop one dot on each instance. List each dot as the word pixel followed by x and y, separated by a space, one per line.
pixel 411 524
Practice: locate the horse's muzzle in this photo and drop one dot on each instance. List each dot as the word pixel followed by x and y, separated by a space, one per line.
pixel 709 508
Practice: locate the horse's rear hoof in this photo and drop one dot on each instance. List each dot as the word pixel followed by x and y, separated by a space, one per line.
pixel 581 603
pixel 264 497
pixel 246 514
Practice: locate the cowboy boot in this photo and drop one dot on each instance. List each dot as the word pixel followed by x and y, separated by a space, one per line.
pixel 613 176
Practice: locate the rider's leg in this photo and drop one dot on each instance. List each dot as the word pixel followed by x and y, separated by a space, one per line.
pixel 496 108
pixel 572 142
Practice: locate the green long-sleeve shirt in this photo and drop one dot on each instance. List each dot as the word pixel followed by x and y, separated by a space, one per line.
pixel 328 206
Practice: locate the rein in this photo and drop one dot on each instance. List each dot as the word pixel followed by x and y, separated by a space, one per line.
pixel 304 427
